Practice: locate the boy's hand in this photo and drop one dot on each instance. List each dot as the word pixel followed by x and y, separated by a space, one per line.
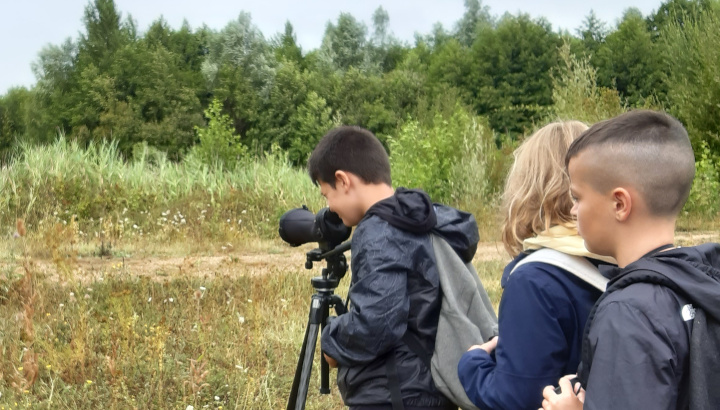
pixel 330 361
pixel 488 346
pixel 565 400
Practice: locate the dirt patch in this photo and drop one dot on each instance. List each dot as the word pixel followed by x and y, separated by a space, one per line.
pixel 229 262
pixel 251 260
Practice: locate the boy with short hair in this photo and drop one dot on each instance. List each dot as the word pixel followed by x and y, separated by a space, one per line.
pixel 652 339
pixel 394 287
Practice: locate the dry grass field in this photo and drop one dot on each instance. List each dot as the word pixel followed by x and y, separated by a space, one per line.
pixel 208 325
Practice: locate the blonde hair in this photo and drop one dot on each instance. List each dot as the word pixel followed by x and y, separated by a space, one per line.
pixel 537 189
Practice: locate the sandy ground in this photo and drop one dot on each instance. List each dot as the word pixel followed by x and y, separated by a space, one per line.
pixel 253 259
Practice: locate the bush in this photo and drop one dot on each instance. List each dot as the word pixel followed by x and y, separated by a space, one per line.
pixel 693 49
pixel 576 95
pixel 704 200
pixel 453 158
pixel 218 143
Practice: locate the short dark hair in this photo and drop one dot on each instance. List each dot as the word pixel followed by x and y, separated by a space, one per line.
pixel 649 150
pixel 350 149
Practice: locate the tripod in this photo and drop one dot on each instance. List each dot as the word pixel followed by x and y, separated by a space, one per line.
pixel 322 300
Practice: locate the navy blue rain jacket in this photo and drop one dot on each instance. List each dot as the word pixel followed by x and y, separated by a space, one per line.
pixel 636 354
pixel 542 315
pixel 394 289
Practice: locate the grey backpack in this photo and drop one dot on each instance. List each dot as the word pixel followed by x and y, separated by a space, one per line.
pixel 466 318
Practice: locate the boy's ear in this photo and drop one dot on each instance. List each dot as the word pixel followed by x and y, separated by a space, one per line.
pixel 623 204
pixel 342 180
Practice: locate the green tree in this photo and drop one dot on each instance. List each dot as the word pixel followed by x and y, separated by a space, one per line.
pixel 273 121
pixel 680 12
pixel 239 97
pixel 453 65
pixel 241 45
pixel 385 51
pixel 510 80
pixel 286 47
pixel 218 143
pixel 630 62
pixel 592 32
pixel 105 34
pixel 476 17
pixel 56 75
pixel 693 52
pixel 310 122
pixel 14 117
pixel 361 100
pixel 345 43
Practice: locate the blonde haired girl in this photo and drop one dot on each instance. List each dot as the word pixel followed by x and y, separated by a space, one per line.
pixel 544 307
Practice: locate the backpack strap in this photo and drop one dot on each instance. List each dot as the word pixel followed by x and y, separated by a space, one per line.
pixel 576 265
pixel 413 342
pixel 394 381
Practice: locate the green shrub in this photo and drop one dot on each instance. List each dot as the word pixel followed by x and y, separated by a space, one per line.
pixel 218 143
pixel 704 200
pixel 576 95
pixel 693 54
pixel 454 158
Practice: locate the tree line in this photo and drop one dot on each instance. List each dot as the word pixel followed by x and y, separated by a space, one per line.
pixel 179 90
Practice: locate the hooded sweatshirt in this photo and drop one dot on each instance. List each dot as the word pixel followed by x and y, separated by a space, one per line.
pixel 394 289
pixel 652 340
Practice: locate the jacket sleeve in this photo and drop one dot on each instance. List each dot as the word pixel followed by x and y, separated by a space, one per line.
pixel 379 307
pixel 633 362
pixel 532 349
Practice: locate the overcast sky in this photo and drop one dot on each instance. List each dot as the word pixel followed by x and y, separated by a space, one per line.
pixel 26 26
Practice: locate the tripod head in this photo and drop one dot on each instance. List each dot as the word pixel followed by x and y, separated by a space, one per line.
pixel 335 258
pixel 336 266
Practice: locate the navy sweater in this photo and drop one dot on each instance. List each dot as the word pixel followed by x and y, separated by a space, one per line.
pixel 542 316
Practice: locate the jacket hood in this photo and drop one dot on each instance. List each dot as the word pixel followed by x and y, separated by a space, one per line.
pixel 459 230
pixel 693 271
pixel 411 210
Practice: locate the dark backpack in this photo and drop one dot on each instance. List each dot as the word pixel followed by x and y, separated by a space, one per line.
pixel 704 339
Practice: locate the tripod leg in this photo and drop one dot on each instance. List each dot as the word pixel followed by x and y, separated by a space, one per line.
pixel 324 366
pixel 301 382
pixel 307 367
pixel 298 372
pixel 337 303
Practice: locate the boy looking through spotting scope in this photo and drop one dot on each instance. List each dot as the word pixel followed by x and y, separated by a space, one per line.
pixel 394 287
